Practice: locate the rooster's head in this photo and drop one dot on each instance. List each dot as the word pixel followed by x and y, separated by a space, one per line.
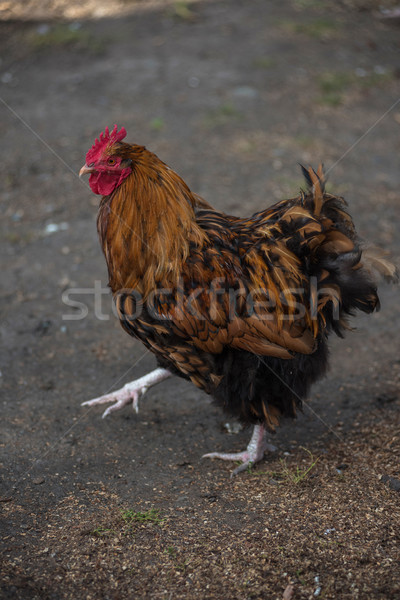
pixel 107 168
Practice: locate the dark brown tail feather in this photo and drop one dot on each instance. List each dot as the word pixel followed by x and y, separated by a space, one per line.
pixel 353 269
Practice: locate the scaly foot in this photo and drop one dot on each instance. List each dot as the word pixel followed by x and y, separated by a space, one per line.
pixel 254 452
pixel 131 392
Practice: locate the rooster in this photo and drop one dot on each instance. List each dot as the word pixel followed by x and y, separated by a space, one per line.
pixel 241 307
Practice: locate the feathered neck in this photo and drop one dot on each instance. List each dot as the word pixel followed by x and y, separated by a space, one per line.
pixel 146 226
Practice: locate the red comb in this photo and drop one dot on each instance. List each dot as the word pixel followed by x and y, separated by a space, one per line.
pixel 105 139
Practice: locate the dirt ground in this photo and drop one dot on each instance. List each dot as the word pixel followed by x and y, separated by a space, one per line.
pixel 233 95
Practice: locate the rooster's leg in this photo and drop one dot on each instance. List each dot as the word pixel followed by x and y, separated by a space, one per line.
pixel 254 452
pixel 131 392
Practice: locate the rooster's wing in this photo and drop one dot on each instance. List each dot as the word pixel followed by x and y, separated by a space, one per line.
pixel 244 289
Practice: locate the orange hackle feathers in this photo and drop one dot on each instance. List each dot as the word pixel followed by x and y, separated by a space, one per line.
pixel 149 239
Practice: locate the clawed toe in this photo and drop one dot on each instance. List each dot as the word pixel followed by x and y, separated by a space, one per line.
pixel 122 397
pixel 114 407
pixel 243 457
pixel 253 454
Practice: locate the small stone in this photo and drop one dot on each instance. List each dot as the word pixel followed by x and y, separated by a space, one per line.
pixel 379 70
pixel 43 29
pixel 6 78
pixel 43 327
pixel 47 385
pixel 193 82
pixel 17 216
pixel 342 467
pixel 245 91
pixel 317 591
pixel 232 428
pixel 360 72
pixel 384 399
pixel 38 480
pixel 55 227
pixel 392 482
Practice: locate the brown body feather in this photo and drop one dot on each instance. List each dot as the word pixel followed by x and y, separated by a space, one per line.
pixel 241 307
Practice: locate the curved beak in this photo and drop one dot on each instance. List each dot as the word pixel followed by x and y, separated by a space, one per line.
pixel 85 170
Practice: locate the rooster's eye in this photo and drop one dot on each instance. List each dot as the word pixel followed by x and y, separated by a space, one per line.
pixel 111 161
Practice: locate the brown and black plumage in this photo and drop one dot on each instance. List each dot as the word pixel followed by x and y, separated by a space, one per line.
pixel 242 307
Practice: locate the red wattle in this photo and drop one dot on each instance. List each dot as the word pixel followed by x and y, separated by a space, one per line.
pixel 105 182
